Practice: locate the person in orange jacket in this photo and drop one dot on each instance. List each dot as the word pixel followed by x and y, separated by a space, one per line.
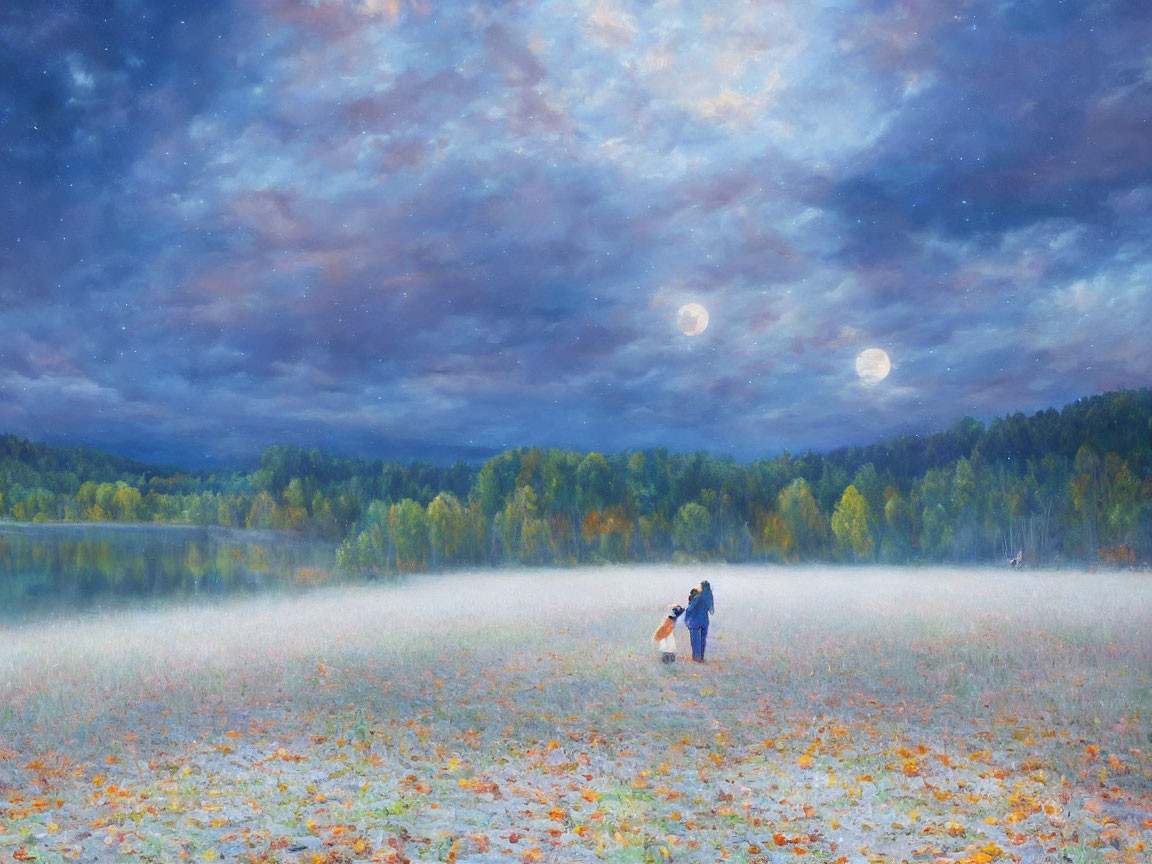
pixel 665 636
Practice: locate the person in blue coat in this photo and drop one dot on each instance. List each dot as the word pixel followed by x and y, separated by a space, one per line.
pixel 696 619
pixel 706 590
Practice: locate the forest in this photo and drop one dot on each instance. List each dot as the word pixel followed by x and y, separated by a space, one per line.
pixel 1067 486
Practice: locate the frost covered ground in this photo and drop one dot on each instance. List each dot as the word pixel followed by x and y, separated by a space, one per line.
pixel 845 715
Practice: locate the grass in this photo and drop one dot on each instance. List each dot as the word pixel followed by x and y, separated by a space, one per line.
pixel 845 715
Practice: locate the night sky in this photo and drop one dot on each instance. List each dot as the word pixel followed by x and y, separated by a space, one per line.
pixel 434 229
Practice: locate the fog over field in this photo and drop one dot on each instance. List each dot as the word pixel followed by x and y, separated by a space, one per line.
pixel 847 713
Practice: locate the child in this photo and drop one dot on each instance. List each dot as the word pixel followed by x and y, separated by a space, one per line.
pixel 665 636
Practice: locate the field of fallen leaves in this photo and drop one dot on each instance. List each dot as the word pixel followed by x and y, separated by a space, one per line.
pixel 844 715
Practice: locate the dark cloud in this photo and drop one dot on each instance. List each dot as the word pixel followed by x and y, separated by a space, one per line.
pixel 1027 112
pixel 394 228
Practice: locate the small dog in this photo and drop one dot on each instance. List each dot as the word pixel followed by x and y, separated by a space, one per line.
pixel 665 636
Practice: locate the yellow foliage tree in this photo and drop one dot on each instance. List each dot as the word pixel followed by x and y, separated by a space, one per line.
pixel 850 526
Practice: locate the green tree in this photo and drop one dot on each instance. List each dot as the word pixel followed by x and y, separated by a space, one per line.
pixel 1119 496
pixel 1086 470
pixel 559 501
pixel 655 535
pixel 963 508
pixel 936 522
pixel 495 482
pixel 830 486
pixel 525 537
pixel 323 519
pixel 228 513
pixel 896 544
pixel 871 485
pixel 690 529
pixel 371 548
pixel 593 483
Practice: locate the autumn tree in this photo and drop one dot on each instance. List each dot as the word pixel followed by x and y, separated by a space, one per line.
pixel 447 530
pixel 261 512
pixel 409 525
pixel 850 526
pixel 773 539
pixel 802 519
pixel 616 532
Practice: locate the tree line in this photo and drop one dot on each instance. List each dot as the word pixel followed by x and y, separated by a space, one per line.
pixel 1068 485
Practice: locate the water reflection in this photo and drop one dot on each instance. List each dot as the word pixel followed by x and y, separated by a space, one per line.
pixel 58 568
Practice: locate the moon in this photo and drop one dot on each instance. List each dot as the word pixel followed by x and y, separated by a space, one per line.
pixel 873 365
pixel 692 319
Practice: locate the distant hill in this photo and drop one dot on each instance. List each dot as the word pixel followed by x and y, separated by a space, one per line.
pixel 1119 422
pixel 64 469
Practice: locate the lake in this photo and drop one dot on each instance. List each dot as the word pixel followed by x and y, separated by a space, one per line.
pixel 60 569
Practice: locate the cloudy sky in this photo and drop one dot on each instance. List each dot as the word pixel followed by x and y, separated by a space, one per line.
pixel 413 228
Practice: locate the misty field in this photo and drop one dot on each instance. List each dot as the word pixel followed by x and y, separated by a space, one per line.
pixel 844 715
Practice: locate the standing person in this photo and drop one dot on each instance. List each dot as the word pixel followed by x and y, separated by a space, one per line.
pixel 696 620
pixel 665 638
